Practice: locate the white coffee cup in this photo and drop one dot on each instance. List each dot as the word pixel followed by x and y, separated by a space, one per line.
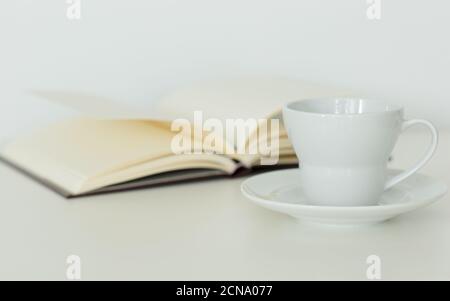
pixel 343 145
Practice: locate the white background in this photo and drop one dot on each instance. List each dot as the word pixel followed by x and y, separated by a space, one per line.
pixel 138 50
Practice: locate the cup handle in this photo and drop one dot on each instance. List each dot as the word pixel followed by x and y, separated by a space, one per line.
pixel 431 149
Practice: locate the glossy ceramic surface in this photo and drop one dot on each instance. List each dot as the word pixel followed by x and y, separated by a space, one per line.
pixel 344 145
pixel 283 191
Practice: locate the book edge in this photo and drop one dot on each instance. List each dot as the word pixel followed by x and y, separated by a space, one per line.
pixel 49 184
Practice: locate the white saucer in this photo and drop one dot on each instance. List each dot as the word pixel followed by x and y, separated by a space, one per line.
pixel 281 191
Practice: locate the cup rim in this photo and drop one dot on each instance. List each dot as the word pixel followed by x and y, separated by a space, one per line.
pixel 389 108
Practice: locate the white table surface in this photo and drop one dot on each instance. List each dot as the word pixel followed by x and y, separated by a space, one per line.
pixel 209 231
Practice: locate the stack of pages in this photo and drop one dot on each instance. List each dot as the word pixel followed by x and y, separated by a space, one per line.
pixel 90 155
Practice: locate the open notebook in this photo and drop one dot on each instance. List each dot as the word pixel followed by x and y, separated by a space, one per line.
pixel 88 155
